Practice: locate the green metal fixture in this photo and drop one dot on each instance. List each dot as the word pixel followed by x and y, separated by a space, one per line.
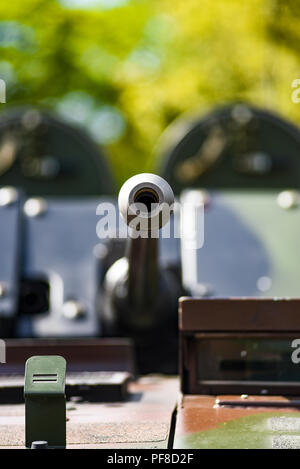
pixel 45 400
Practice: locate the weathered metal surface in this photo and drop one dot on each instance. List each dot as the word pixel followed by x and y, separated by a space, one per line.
pixel 203 423
pixel 238 345
pixel 101 386
pixel 239 314
pixel 81 354
pixel 245 400
pixel 143 421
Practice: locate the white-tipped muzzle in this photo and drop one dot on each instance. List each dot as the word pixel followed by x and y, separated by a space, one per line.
pixel 146 202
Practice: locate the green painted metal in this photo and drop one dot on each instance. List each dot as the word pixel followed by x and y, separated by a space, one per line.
pixel 45 400
pixel 220 162
pixel 268 430
pixel 278 232
pixel 49 157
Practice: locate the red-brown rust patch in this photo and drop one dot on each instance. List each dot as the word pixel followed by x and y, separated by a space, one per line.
pixel 198 413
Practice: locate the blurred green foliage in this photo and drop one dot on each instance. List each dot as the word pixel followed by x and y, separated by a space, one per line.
pixel 126 69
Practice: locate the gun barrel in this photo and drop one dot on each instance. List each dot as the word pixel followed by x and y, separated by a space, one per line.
pixel 140 296
pixel 135 287
pixel 145 203
pixel 143 272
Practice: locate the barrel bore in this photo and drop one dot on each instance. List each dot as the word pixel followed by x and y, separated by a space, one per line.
pixel 147 197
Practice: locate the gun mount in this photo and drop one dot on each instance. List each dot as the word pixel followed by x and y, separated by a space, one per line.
pixel 140 296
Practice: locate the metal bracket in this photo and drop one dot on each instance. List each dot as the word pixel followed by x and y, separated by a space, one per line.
pixel 45 400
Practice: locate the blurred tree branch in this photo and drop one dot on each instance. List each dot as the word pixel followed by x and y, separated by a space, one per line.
pixel 151 61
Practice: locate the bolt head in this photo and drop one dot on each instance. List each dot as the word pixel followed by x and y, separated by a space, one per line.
pixel 3 289
pixel 288 199
pixel 8 196
pixel 39 445
pixel 35 207
pixel 72 310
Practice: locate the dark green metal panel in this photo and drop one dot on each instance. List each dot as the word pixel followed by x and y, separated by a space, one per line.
pixel 45 406
pixel 45 156
pixel 238 146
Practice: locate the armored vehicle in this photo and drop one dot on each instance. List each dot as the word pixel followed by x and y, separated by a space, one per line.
pixel 155 320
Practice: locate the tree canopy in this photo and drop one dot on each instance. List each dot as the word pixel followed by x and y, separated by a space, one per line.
pixel 125 69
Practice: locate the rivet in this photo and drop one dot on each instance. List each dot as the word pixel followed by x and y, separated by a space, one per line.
pixel 288 199
pixel 35 207
pixel 3 289
pixel 100 251
pixel 39 445
pixel 72 310
pixel 8 196
pixel 264 284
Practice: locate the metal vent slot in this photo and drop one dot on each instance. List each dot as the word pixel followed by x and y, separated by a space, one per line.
pixel 44 378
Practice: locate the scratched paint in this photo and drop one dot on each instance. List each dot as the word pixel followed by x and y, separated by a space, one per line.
pixel 264 430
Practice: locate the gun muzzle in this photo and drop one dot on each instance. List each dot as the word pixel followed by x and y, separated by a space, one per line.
pixel 146 205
